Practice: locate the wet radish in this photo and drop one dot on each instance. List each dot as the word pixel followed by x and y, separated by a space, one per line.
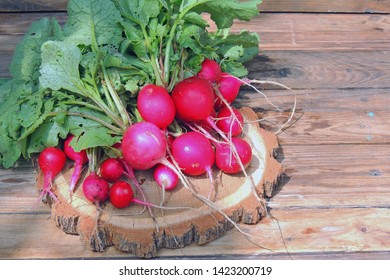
pixel 230 124
pixel 95 188
pixel 156 106
pixel 111 169
pixel 144 145
pixel 210 71
pixel 79 158
pixel 225 159
pixel 229 87
pixel 51 161
pixel 194 99
pixel 165 177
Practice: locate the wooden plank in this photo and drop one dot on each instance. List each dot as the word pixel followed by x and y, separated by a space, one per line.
pixel 329 116
pixel 351 6
pixel 317 69
pixel 331 176
pixel 326 6
pixel 317 100
pixel 32 5
pixel 307 233
pixel 297 31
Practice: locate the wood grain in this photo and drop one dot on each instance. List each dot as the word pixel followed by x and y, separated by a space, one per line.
pixel 350 6
pixel 306 232
pixel 318 70
pixel 323 6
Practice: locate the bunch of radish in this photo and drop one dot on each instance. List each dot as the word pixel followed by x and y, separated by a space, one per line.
pixel 185 132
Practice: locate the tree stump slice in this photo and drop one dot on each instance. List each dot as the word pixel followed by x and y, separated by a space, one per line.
pixel 133 230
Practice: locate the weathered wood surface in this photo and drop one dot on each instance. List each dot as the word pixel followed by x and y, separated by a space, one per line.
pixel 334 200
pixel 350 6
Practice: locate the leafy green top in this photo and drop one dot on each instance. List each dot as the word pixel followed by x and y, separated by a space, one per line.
pixel 83 78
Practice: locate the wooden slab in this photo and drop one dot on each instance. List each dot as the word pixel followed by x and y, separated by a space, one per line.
pixel 185 218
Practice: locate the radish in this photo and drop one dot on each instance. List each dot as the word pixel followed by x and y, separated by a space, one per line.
pixel 95 188
pixel 111 170
pixel 156 106
pixel 194 99
pixel 165 177
pixel 121 195
pixel 229 87
pixel 80 158
pixel 194 153
pixel 51 161
pixel 143 145
pixel 230 164
pixel 228 123
pixel 210 71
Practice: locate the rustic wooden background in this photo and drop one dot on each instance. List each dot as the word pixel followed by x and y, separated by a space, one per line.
pixel 334 199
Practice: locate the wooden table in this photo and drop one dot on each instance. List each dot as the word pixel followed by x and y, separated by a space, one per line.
pixel 334 198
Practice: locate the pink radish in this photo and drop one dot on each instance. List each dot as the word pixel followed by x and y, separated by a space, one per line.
pixel 51 161
pixel 229 87
pixel 79 158
pixel 121 195
pixel 165 177
pixel 111 170
pixel 144 145
pixel 230 124
pixel 210 71
pixel 194 153
pixel 225 159
pixel 95 188
pixel 156 106
pixel 194 99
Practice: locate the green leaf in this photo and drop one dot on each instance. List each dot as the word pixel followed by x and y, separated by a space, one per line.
pixel 97 137
pixel 27 55
pixel 10 128
pixel 92 22
pixel 224 12
pixel 234 68
pixel 47 134
pixel 139 11
pixel 60 66
pixel 196 19
pixel 241 47
pixel 89 132
pixel 30 110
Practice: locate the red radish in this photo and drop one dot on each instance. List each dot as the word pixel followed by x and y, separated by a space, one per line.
pixel 156 106
pixel 95 188
pixel 227 162
pixel 143 145
pixel 210 71
pixel 193 98
pixel 111 170
pixel 51 161
pixel 80 158
pixel 229 87
pixel 121 195
pixel 165 177
pixel 229 124
pixel 194 153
